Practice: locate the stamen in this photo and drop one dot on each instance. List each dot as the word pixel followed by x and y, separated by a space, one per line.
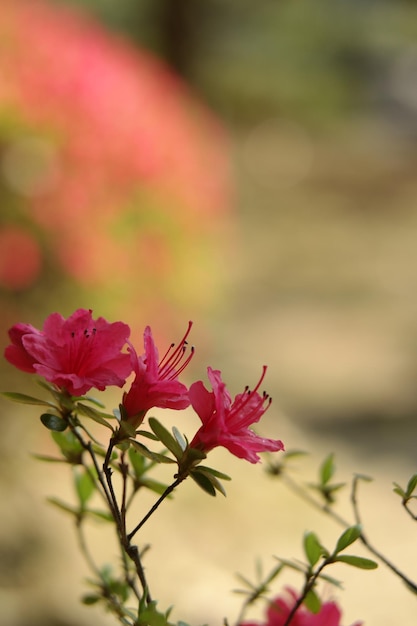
pixel 248 394
pixel 169 362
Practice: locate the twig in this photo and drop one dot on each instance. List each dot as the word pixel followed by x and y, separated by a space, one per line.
pixel 412 585
pixel 166 493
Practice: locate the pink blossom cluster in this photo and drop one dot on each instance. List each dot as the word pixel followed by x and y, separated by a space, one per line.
pixel 111 167
pixel 79 353
pixel 280 608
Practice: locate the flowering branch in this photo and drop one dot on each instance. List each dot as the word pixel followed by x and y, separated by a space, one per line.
pixel 79 353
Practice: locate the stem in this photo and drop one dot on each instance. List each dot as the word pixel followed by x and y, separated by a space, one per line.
pixel 409 511
pixel 84 548
pixel 166 493
pixel 108 474
pixel 110 497
pixel 308 586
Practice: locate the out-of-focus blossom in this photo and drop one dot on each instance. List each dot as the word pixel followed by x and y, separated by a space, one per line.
pixel 107 161
pixel 280 608
pixel 75 354
pixel 156 381
pixel 226 423
pixel 20 258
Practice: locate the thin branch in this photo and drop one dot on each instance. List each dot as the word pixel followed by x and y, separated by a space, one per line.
pixel 307 497
pixel 166 493
pixel 308 586
pixel 412 585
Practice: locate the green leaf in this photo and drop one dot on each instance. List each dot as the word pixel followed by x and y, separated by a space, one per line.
pixel 53 422
pixel 327 469
pixel 214 481
pixel 84 486
pixel 103 516
pixel 399 490
pixel 312 548
pixel 291 565
pixel 331 580
pixel 412 483
pixel 63 506
pixel 22 398
pixel 138 461
pixel 47 459
pixel 69 446
pixel 153 456
pixel 290 454
pixel 204 482
pixel 150 616
pixel 215 473
pixel 356 561
pixel 90 598
pixel 182 442
pixel 146 433
pixel 94 401
pixel 166 438
pixel 96 416
pixel 154 485
pixel 349 536
pixel 312 601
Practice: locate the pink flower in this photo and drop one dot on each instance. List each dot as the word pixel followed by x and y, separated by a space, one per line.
pixel 156 383
pixel 280 608
pixel 226 423
pixel 75 354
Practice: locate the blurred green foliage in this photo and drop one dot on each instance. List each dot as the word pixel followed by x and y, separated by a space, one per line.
pixel 311 59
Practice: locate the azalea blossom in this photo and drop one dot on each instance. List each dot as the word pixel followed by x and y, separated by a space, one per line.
pixel 156 382
pixel 280 608
pixel 76 354
pixel 226 423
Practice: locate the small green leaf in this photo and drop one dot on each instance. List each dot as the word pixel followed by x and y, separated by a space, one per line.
pixel 327 469
pixel 397 489
pixel 147 434
pixel 103 516
pixel 182 442
pixel 153 456
pixel 22 398
pixel 356 561
pixel 150 616
pixel 290 454
pixel 94 401
pixel 53 422
pixel 412 483
pixel 138 462
pixel 154 485
pixel 214 481
pixel 90 598
pixel 312 548
pixel 84 486
pixel 349 536
pixel 312 602
pixel 215 473
pixel 291 565
pixel 69 446
pixel 47 459
pixel 63 506
pixel 96 416
pixel 204 482
pixel 166 438
pixel 331 580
